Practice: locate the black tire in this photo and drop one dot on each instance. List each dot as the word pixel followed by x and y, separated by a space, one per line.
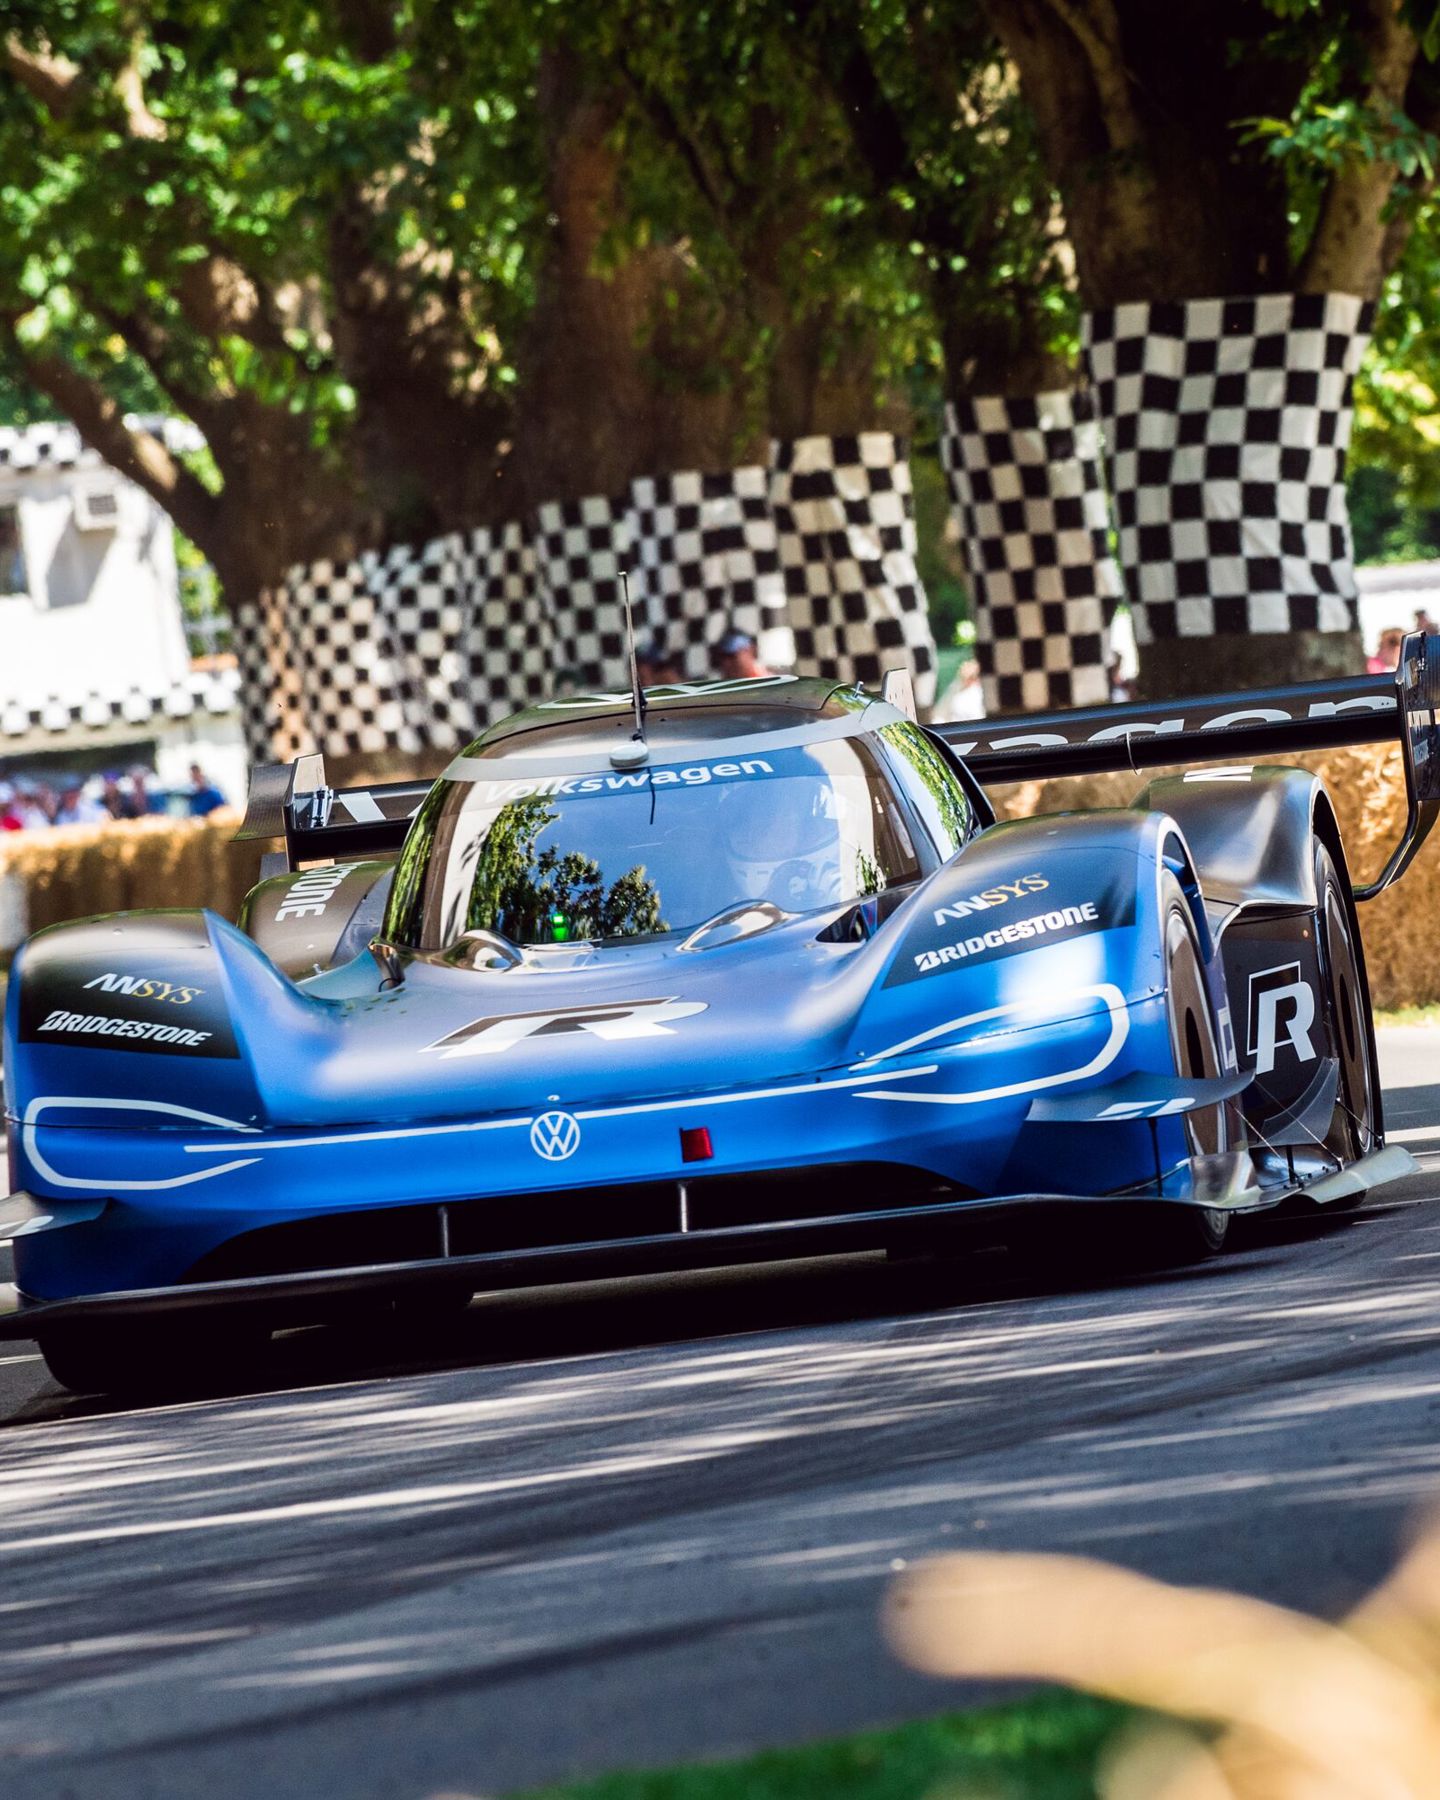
pixel 146 1360
pixel 1179 1234
pixel 1355 1126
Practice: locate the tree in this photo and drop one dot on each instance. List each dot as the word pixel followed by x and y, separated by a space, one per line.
pixel 947 146
pixel 253 212
pixel 1220 149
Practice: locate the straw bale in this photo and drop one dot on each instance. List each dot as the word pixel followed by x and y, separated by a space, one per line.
pixel 70 871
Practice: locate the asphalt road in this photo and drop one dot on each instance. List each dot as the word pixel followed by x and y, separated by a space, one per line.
pixel 631 1524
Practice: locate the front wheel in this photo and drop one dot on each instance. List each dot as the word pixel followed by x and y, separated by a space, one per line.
pixel 1176 1234
pixel 142 1358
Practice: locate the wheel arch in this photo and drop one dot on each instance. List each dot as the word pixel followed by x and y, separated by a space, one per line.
pixel 1250 830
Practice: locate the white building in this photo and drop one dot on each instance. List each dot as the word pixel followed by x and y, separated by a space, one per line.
pixel 95 671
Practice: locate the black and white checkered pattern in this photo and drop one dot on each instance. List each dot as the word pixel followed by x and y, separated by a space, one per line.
pixel 315 658
pixel 420 602
pixel 580 548
pixel 58 445
pixel 214 691
pixel 845 517
pixel 1025 478
pixel 422 646
pixel 1226 426
pixel 508 641
pixel 706 557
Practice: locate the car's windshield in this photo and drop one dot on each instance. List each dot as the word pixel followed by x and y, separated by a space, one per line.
pixel 547 859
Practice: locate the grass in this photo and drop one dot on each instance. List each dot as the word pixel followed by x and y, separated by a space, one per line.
pixel 1410 1015
pixel 1043 1748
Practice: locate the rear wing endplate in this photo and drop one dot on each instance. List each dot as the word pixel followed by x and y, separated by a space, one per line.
pixel 1245 727
pixel 320 823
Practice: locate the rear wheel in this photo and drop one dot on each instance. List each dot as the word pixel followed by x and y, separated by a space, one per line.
pixel 1188 1233
pixel 1354 1128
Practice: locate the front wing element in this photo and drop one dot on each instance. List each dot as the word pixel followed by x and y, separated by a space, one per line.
pixel 297 1298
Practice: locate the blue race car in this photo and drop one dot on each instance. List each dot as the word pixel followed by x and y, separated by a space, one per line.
pixel 717 974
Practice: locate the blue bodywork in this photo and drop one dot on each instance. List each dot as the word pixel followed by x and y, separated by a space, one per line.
pixel 912 1047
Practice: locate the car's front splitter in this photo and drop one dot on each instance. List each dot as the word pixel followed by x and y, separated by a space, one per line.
pixel 309 1295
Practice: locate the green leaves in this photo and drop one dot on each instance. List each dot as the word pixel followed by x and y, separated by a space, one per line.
pixel 1328 136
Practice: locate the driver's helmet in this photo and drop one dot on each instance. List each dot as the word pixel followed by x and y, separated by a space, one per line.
pixel 782 840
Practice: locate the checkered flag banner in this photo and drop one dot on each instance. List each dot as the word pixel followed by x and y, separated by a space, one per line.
pixel 845 518
pixel 1226 425
pixel 317 668
pixel 507 640
pixel 706 556
pixel 420 616
pixel 421 646
pixel 1025 479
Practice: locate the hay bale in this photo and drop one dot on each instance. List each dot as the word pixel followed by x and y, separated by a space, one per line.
pixel 71 870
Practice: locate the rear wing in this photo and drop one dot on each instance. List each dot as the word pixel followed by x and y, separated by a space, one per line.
pixel 1262 722
pixel 319 823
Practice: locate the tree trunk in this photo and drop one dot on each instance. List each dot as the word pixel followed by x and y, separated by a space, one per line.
pixel 1222 360
pixel 617 384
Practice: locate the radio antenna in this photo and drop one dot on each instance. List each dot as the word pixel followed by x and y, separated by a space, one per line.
pixel 637 751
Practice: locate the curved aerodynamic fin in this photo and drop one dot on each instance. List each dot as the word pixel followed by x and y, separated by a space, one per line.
pixel 1137 1096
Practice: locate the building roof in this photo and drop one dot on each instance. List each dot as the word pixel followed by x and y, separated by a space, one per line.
pixel 55 444
pixel 136 710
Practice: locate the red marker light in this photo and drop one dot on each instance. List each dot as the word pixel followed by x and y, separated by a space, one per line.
pixel 695 1143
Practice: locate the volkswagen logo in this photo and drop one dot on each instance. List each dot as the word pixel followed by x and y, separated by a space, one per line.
pixel 555 1135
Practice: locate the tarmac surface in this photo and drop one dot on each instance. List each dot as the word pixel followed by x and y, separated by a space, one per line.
pixel 636 1523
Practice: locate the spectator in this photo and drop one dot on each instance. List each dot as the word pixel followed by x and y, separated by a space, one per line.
pixel 1117 680
pixel 736 659
pixel 204 795
pixel 1423 622
pixel 75 807
pixel 656 665
pixel 964 698
pixel 1386 654
pixel 36 805
pixel 112 798
pixel 9 808
pixel 139 798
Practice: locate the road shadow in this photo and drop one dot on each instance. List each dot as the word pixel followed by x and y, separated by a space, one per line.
pixel 584 1319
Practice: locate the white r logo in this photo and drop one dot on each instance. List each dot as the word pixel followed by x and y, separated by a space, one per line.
pixel 1282 1010
pixel 613 1023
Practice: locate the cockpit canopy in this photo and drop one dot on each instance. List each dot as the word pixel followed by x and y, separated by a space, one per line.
pixel 586 851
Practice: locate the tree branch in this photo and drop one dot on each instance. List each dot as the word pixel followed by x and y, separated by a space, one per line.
pixel 139 455
pixel 53 80
pixel 1348 251
pixel 667 122
pixel 130 91
pixel 220 298
pixel 1095 26
pixel 152 343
